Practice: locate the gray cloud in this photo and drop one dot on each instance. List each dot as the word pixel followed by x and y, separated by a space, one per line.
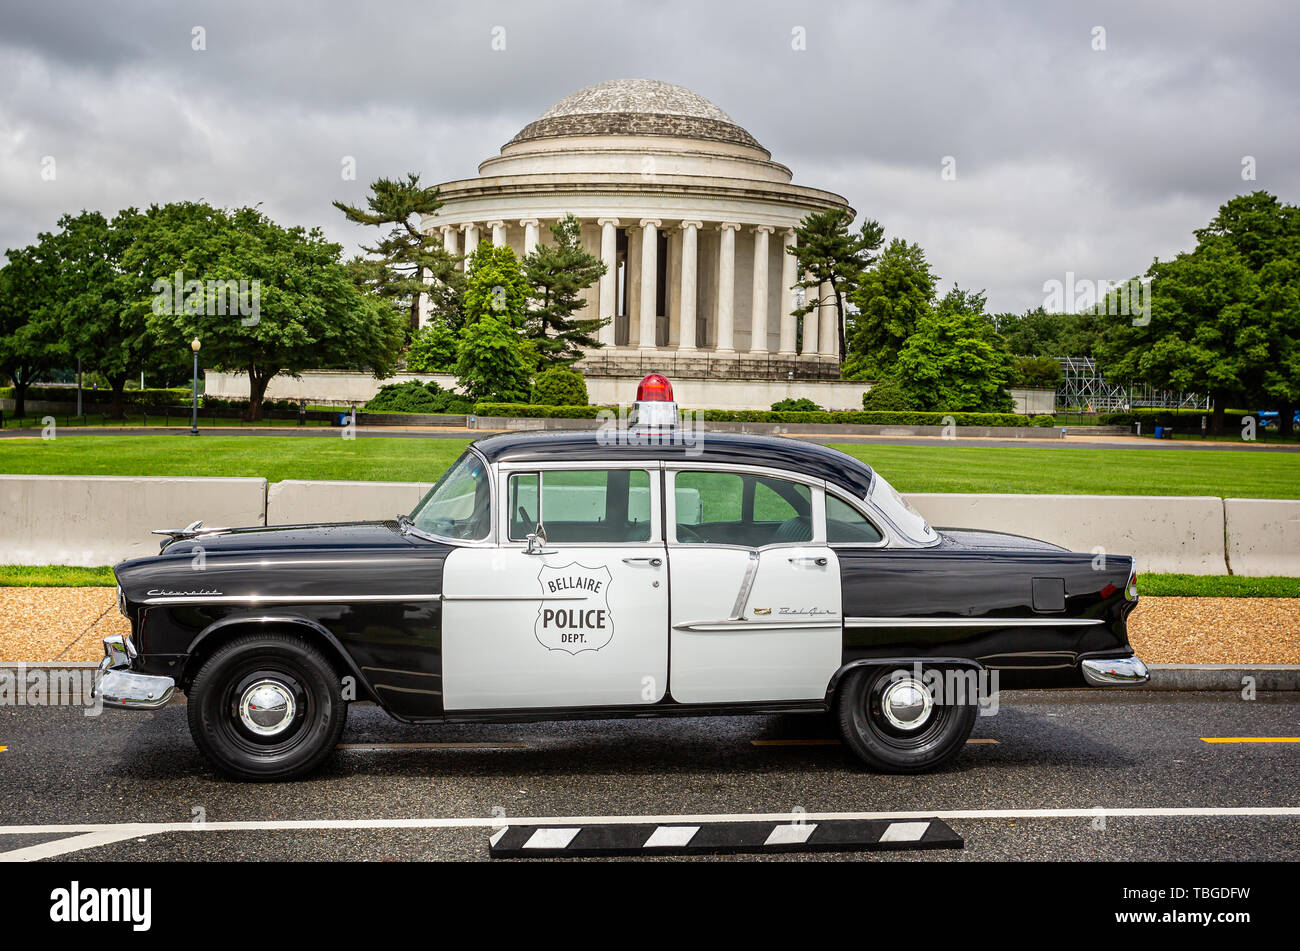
pixel 1067 158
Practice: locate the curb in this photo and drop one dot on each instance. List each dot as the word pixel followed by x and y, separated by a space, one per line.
pixel 1163 676
pixel 1223 676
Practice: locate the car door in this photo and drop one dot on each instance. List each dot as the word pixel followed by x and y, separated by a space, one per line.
pixel 577 620
pixel 756 608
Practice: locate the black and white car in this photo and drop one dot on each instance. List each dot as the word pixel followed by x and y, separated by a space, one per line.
pixel 614 573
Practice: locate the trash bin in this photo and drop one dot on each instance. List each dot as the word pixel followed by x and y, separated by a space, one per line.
pixel 1160 432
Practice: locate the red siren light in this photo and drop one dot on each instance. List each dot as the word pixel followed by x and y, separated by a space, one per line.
pixel 655 388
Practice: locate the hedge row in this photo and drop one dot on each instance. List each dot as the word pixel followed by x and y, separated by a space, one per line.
pixel 858 417
pixel 1149 414
pixel 148 398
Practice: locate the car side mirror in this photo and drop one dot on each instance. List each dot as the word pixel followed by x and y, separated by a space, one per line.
pixel 537 541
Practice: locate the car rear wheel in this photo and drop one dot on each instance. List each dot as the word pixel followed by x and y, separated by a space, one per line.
pixel 894 724
pixel 266 707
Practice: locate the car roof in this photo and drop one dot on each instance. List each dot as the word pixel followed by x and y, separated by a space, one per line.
pixel 793 455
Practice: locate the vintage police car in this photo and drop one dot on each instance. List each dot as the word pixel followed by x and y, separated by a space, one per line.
pixel 626 572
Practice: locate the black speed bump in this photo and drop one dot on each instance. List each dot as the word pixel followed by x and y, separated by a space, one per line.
pixel 715 838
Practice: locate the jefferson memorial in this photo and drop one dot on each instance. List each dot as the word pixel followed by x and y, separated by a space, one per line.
pixel 690 215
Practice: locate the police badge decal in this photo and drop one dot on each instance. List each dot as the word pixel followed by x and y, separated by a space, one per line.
pixel 574 615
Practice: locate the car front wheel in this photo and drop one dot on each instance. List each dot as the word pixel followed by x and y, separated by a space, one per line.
pixel 266 707
pixel 893 722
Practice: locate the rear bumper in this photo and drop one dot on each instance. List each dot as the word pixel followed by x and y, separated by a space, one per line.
pixel 120 686
pixel 1114 671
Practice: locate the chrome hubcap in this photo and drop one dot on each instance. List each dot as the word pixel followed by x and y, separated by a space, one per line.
pixel 907 704
pixel 267 707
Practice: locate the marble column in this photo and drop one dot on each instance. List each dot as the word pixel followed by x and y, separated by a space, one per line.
pixel 758 300
pixel 727 288
pixel 828 323
pixel 471 239
pixel 532 231
pixel 810 341
pixel 498 233
pixel 789 322
pixel 648 312
pixel 686 331
pixel 449 239
pixel 608 280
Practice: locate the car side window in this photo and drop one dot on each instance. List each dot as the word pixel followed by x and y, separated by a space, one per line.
pixel 731 508
pixel 846 525
pixel 594 506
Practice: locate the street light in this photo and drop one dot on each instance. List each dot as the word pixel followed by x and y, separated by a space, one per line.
pixel 194 418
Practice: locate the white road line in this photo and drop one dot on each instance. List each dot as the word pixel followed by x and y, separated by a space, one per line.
pixel 128 829
pixel 48 850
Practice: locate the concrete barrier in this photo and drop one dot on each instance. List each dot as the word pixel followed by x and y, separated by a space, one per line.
pixel 1263 536
pixel 100 520
pixel 293 502
pixel 1168 534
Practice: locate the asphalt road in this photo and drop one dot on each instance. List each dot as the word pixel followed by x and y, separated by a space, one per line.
pixel 1074 751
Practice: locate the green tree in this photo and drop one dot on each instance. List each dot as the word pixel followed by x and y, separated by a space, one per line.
pixel 305 310
pixel 1224 317
pixel 891 300
pixel 558 273
pixel 28 338
pixel 826 252
pixel 494 360
pixel 956 361
pixel 432 349
pixel 406 262
pixel 1042 333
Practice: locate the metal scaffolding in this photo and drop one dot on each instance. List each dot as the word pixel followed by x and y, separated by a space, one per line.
pixel 1084 389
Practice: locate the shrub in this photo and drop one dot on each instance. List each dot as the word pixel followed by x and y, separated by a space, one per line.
pixel 1044 419
pixel 539 410
pixel 416 397
pixel 801 405
pixel 560 386
pixel 886 395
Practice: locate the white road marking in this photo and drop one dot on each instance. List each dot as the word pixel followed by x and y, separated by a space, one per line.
pixel 126 830
pixel 48 850
pixel 665 837
pixel 793 833
pixel 905 832
pixel 485 745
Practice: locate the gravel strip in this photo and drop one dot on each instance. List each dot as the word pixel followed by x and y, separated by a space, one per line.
pixel 46 624
pixel 1216 630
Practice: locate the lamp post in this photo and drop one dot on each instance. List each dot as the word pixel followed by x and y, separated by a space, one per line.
pixel 194 417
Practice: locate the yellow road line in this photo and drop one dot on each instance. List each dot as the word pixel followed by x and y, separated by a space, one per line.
pixel 831 742
pixel 3 748
pixel 1251 739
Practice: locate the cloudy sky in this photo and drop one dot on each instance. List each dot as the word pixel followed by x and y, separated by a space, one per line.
pixel 1067 157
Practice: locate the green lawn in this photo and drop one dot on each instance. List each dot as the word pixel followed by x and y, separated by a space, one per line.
pixel 1217 586
pixel 921 468
pixel 276 458
pixel 1049 470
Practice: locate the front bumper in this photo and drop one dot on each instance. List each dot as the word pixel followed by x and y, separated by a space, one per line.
pixel 120 686
pixel 1114 671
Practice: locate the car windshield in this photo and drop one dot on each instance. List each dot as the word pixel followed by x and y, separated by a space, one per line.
pixel 459 504
pixel 900 512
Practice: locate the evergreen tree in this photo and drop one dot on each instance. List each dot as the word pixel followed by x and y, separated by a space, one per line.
pixel 405 258
pixel 826 252
pixel 894 295
pixel 557 274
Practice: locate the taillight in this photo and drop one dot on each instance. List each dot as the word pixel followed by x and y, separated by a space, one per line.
pixel 1131 589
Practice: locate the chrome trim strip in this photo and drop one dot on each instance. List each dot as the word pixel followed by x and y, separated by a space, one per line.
pixel 511 597
pixel 287 598
pixel 741 626
pixel 746 585
pixel 874 622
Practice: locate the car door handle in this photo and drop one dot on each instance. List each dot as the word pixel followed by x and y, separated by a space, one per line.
pixel 819 562
pixel 654 562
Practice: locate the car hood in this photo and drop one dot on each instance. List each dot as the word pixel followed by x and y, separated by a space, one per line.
pixel 975 540
pixel 272 538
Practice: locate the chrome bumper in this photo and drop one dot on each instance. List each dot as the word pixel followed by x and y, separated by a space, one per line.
pixel 120 686
pixel 1115 671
